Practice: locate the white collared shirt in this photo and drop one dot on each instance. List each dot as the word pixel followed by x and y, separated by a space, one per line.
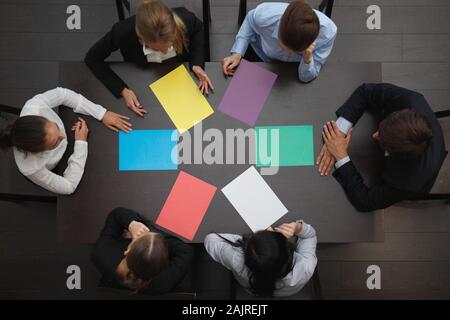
pixel 37 166
pixel 158 56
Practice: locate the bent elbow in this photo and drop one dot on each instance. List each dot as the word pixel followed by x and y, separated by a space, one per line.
pixel 88 60
pixel 362 206
pixel 68 189
pixel 208 239
pixel 306 78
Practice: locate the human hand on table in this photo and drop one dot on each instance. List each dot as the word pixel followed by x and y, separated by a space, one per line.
pixel 205 82
pixel 336 142
pixel 230 63
pixel 81 130
pixel 116 122
pixel 132 102
pixel 325 161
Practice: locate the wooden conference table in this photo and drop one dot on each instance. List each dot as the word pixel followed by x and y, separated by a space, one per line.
pixel 308 196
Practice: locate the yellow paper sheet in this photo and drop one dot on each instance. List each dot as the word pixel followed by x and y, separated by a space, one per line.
pixel 180 97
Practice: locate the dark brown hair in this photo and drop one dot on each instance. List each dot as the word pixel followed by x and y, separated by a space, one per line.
pixel 299 26
pixel 405 133
pixel 147 257
pixel 26 133
pixel 268 256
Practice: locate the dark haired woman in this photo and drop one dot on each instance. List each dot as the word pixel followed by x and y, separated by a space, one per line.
pixel 39 139
pixel 273 262
pixel 132 253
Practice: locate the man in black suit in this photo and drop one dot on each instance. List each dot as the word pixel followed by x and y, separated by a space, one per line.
pixel 409 135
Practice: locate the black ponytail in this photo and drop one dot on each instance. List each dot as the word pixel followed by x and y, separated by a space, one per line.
pixel 5 137
pixel 26 133
pixel 269 257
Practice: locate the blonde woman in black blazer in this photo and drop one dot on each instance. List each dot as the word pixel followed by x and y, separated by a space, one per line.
pixel 155 34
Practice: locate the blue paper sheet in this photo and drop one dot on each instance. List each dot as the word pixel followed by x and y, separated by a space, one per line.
pixel 148 150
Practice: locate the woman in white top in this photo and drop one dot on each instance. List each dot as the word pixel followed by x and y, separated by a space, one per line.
pixel 39 139
pixel 274 262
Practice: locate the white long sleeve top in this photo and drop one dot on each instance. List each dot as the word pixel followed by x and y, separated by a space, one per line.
pixel 37 166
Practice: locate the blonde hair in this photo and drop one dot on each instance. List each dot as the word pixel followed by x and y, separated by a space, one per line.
pixel 156 23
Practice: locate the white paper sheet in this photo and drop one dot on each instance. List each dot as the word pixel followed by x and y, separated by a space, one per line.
pixel 254 200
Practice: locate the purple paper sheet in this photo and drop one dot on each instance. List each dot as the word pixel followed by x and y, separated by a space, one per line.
pixel 247 92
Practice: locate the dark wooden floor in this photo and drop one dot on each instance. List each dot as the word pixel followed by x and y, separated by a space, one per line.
pixel 413 45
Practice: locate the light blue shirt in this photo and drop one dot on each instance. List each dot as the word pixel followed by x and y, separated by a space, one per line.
pixel 260 29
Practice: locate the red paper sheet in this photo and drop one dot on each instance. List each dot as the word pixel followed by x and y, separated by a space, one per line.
pixel 186 205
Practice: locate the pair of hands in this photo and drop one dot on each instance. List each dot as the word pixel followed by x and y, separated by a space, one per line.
pixel 132 101
pixel 334 149
pixel 288 229
pixel 135 230
pixel 81 130
pixel 231 62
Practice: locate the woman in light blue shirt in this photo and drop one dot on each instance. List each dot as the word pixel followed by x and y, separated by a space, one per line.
pixel 285 32
pixel 274 262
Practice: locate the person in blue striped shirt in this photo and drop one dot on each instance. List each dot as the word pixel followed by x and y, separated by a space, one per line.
pixel 285 32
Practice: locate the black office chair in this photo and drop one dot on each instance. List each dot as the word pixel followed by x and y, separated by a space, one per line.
pixel 441 188
pixel 201 8
pixel 13 185
pixel 325 6
pixel 311 291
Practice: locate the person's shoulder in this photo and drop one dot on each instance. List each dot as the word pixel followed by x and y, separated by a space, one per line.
pixel 29 163
pixel 301 269
pixel 126 23
pixel 182 11
pixel 268 13
pixel 185 14
pixel 274 7
pixel 413 98
pixel 418 102
pixel 123 29
pixel 190 20
pixel 238 264
pixel 38 106
pixel 412 94
pixel 222 237
pixel 33 107
pixel 179 246
pixel 328 28
pixel 30 108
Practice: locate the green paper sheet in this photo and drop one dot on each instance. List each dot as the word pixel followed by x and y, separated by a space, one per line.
pixel 295 146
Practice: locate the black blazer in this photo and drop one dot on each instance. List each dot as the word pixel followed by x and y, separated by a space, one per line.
pixel 110 246
pixel 123 37
pixel 400 178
